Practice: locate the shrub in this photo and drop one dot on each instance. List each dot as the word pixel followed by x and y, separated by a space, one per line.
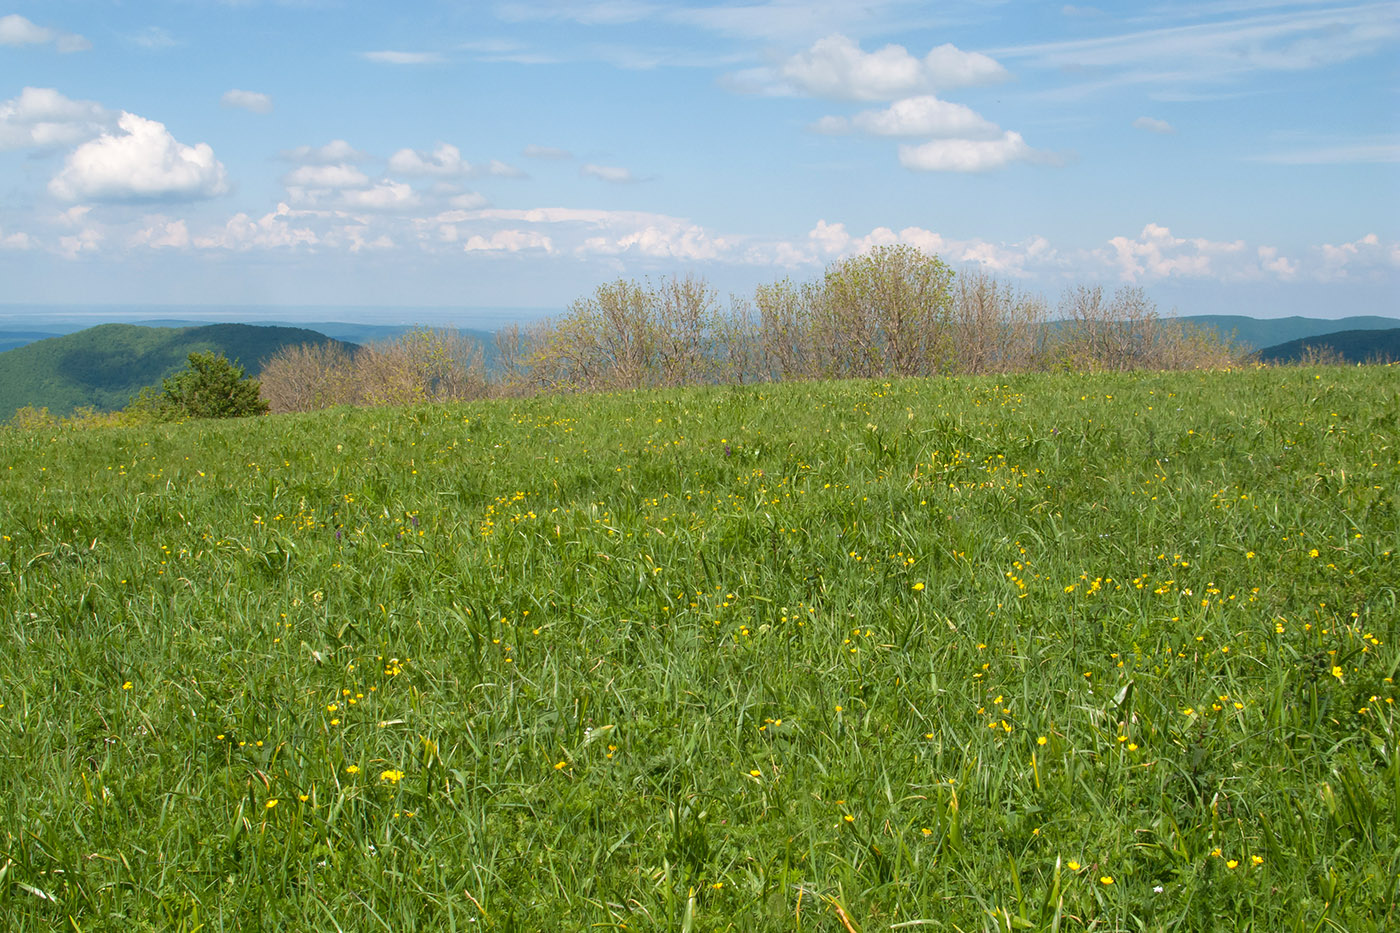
pixel 210 386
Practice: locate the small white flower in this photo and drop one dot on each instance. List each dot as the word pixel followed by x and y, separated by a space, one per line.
pixel 1157 889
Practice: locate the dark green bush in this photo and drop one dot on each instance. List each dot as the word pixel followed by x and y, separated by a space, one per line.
pixel 211 386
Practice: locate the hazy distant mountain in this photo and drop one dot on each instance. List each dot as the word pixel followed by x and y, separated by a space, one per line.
pixel 1253 333
pixel 9 339
pixel 104 366
pixel 1351 346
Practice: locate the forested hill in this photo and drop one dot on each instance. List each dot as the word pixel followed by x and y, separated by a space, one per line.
pixel 1346 346
pixel 104 366
pixel 1254 333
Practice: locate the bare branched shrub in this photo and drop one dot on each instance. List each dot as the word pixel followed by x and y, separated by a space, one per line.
pixel 423 365
pixel 308 376
pixel 893 311
pixel 994 328
pixel 786 324
pixel 887 311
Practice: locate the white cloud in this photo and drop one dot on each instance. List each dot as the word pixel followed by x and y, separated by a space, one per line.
pixel 160 233
pixel 611 173
pixel 1363 255
pixel 337 150
pixel 384 196
pixel 1153 125
pixel 15 30
pixel 546 152
pixel 836 67
pixel 389 57
pixel 16 240
pixel 509 241
pixel 1157 254
pixel 828 241
pixel 144 161
pixel 1281 266
pixel 668 239
pixel 444 161
pixel 966 155
pixel 1293 40
pixel 915 116
pixel 251 101
pixel 42 118
pixel 467 201
pixel 272 231
pixel 325 176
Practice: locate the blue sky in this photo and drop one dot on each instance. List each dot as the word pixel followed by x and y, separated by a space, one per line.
pixel 1235 156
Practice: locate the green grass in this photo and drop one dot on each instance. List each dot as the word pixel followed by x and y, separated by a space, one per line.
pixel 924 654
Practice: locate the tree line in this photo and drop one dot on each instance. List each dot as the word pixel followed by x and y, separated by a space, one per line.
pixel 893 311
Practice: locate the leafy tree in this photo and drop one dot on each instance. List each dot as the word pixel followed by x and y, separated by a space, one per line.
pixel 212 387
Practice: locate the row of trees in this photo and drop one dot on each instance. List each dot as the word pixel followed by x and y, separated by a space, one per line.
pixel 892 311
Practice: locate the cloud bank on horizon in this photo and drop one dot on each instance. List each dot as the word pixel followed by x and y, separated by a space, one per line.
pixel 520 153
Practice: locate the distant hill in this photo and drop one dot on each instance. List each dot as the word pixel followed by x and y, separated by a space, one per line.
pixel 9 339
pixel 1253 333
pixel 104 366
pixel 1352 346
pixel 355 333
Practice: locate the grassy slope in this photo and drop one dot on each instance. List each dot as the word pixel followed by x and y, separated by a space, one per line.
pixel 104 366
pixel 714 659
pixel 1354 346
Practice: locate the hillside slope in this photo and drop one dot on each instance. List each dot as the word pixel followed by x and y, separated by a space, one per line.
pixel 1252 333
pixel 1351 346
pixel 104 366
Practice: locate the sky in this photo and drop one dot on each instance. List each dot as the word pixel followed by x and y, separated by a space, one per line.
pixel 1226 156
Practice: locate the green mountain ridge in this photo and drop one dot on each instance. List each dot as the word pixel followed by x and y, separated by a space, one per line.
pixel 1350 346
pixel 103 366
pixel 1251 333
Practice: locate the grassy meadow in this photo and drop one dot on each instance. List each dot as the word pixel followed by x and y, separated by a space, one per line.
pixel 1073 651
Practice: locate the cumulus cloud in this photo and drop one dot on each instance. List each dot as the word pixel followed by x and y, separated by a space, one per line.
pixel 160 233
pixel 966 155
pixel 273 230
pixel 1281 266
pixel 611 173
pixel 384 196
pixel 1363 255
pixel 467 201
pixel 1157 254
pixel 337 150
pixel 15 30
pixel 828 241
pixel 1153 125
pixel 836 67
pixel 15 241
pixel 389 57
pixel 251 101
pixel 42 118
pixel 141 161
pixel 509 241
pixel 444 161
pixel 915 116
